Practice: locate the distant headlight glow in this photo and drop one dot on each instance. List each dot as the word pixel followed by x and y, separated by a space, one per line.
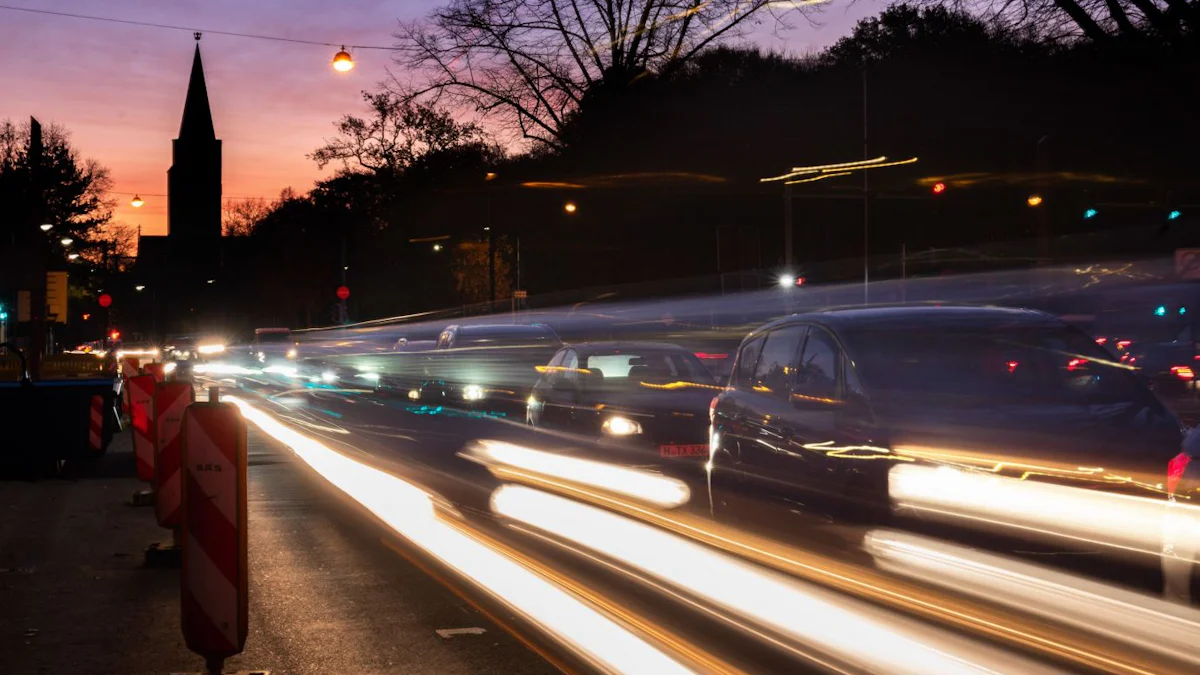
pixel 291 353
pixel 473 392
pixel 211 349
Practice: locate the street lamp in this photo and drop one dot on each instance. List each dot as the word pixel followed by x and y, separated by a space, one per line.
pixel 46 227
pixel 342 61
pixel 139 288
pixel 73 256
pixel 137 202
pixel 437 247
pixel 570 207
pixel 1034 200
pixel 66 241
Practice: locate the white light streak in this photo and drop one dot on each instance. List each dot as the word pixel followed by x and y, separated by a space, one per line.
pixel 640 485
pixel 850 631
pixel 409 511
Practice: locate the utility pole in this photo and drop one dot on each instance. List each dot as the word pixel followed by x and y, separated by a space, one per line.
pixel 37 277
pixel 491 251
pixel 866 198
pixel 787 228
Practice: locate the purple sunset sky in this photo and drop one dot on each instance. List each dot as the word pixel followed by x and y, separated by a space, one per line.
pixel 119 89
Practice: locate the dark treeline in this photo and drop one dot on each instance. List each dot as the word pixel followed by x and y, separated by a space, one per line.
pixel 663 164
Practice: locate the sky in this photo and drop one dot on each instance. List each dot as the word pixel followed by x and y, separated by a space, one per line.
pixel 119 89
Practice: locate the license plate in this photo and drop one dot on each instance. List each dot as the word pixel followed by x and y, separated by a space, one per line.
pixel 694 450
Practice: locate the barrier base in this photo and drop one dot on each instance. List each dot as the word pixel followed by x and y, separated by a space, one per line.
pixel 142 498
pixel 163 554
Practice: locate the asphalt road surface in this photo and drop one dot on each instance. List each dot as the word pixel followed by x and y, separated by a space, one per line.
pixel 329 594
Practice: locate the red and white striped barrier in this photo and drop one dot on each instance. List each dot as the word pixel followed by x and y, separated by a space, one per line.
pixel 141 415
pixel 130 366
pixel 158 370
pixel 96 424
pixel 170 401
pixel 214 589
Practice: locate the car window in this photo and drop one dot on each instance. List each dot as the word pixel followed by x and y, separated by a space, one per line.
pixel 747 361
pixel 647 365
pixel 775 365
pixel 570 364
pixel 816 376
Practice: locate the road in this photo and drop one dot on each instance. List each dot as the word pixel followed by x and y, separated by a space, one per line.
pixel 330 591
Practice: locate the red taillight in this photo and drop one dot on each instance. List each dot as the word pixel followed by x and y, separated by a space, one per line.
pixel 1075 363
pixel 712 409
pixel 708 355
pixel 1124 344
pixel 1101 340
pixel 1183 372
pixel 1012 365
pixel 1175 469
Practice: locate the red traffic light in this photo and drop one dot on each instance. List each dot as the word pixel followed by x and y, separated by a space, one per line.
pixel 939 188
pixel 105 300
pixel 115 335
pixel 343 292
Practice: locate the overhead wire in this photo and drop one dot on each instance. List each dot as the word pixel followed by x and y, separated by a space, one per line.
pixel 151 24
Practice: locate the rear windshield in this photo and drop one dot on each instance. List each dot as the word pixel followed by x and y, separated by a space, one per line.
pixel 652 366
pixel 1005 364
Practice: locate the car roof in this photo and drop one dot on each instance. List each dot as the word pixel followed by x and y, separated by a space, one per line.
pixel 505 329
pixel 617 345
pixel 927 316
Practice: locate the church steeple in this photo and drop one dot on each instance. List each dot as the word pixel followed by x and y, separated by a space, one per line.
pixel 194 179
pixel 197 117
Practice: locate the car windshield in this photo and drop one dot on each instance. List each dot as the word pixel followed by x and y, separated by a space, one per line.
pixel 274 338
pixel 1002 365
pixel 650 366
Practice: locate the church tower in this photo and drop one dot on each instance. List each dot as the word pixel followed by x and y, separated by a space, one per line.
pixel 194 179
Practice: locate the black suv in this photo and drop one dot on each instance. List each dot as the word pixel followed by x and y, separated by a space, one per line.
pixel 822 406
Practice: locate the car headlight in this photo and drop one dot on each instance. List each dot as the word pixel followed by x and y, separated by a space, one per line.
pixel 621 426
pixel 414 394
pixel 291 353
pixel 472 392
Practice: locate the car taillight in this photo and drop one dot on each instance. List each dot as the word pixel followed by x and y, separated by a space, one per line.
pixel 1183 372
pixel 1175 469
pixel 712 409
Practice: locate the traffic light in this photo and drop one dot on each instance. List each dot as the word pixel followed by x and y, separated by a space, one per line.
pixel 1090 213
pixel 1161 310
pixel 115 335
pixel 938 188
pixel 1034 200
pixel 1182 311
pixel 1174 214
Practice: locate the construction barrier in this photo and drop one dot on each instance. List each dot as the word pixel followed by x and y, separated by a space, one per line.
pixel 130 366
pixel 96 424
pixel 71 366
pixel 170 401
pixel 141 414
pixel 214 589
pixel 156 369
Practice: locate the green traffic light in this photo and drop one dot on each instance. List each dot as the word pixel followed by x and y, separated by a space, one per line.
pixel 1161 310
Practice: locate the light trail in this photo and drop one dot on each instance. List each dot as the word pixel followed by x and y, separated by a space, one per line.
pixel 1118 521
pixel 410 512
pixel 640 485
pixel 1117 614
pixel 848 631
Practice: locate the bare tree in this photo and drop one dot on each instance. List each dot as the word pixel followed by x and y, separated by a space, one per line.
pixel 529 63
pixel 242 216
pixel 1095 20
pixel 398 132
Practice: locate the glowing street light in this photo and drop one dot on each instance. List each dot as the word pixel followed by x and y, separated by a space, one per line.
pixel 139 288
pixel 491 175
pixel 1034 200
pixel 437 247
pixel 73 256
pixel 342 61
pixel 137 202
pixel 570 207
pixel 46 227
pixel 66 241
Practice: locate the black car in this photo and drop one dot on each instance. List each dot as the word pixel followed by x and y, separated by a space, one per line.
pixel 486 367
pixel 647 395
pixel 822 406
